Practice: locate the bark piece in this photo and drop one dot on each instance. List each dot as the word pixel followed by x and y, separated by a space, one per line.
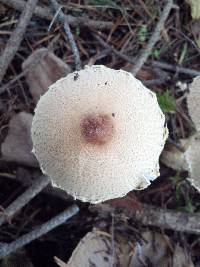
pixel 48 69
pixel 17 146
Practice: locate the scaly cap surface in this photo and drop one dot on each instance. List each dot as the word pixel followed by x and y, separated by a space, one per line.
pixel 98 133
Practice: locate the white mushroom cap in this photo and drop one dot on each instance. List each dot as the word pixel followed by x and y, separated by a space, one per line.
pixel 193 100
pixel 186 159
pixel 98 133
pixel 193 160
pixel 174 157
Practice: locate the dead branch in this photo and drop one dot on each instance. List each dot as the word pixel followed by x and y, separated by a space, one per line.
pixel 115 51
pixel 166 66
pixel 15 40
pixel 153 216
pixel 6 249
pixel 45 13
pixel 24 198
pixel 154 38
pixel 157 64
pixel 62 18
pixel 30 67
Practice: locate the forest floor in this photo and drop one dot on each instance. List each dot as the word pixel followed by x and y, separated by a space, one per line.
pixel 112 33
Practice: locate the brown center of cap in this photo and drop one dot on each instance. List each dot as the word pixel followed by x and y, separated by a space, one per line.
pixel 97 129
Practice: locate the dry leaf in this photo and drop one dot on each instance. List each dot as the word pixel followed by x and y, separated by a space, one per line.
pixel 92 250
pixel 155 249
pixel 181 258
pixel 60 262
pixel 17 145
pixel 97 249
pixel 47 69
pixel 3 9
pixel 152 252
pixel 193 160
pixel 158 251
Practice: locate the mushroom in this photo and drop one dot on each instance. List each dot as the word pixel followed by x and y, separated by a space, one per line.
pixel 187 157
pixel 193 160
pixel 98 133
pixel 174 156
pixel 193 100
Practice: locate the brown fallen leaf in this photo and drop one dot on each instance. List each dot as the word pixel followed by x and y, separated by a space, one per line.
pixel 3 9
pixel 17 146
pixel 98 249
pixel 181 258
pixel 155 249
pixel 47 69
pixel 152 252
pixel 92 250
pixel 60 262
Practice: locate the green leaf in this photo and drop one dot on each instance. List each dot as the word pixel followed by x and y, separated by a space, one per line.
pixel 156 53
pixel 142 33
pixel 189 207
pixel 166 101
pixel 78 31
pixel 175 180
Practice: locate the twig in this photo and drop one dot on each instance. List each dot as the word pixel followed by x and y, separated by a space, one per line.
pixel 4 87
pixel 6 249
pixel 14 41
pixel 153 216
pixel 45 13
pixel 187 38
pixel 154 38
pixel 24 198
pixel 170 67
pixel 31 66
pixel 158 64
pixel 153 82
pixel 63 20
pixel 115 51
